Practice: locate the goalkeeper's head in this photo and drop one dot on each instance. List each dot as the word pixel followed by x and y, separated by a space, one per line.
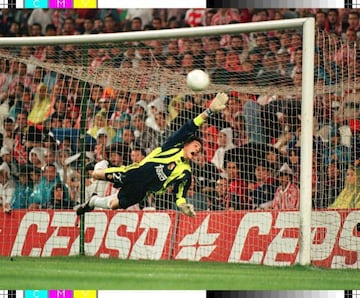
pixel 192 146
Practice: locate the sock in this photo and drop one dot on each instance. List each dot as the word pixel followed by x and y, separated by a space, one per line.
pixel 101 202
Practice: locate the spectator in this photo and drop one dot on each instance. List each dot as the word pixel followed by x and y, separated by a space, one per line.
pixel 347 52
pixel 262 43
pixel 252 119
pixel 74 116
pixel 212 43
pixel 333 22
pixel 157 23
pixel 349 197
pixel 255 60
pixel 36 157
pixel 209 13
pixel 189 110
pixel 50 157
pixel 232 63
pixel 43 17
pixel 117 155
pixel 283 63
pixel 330 186
pixel 14 30
pixel 98 26
pixel 101 123
pixel 41 194
pixel 225 143
pixel 186 63
pixel 137 154
pixel 7 186
pixel 354 22
pixel 8 132
pixel 197 51
pixel 110 24
pixel 68 27
pixel 274 44
pixel 58 110
pixel 145 137
pixel 260 15
pixel 237 186
pixel 222 199
pixel 102 140
pixel 287 195
pixel 22 191
pixel 209 64
pixel 197 199
pixel 4 75
pixel 194 17
pixel 263 189
pixel 35 175
pixel 128 137
pixel 62 156
pixel 88 26
pixel 39 111
pixel 224 16
pixel 27 52
pixel 20 151
pixel 141 16
pixel 240 46
pixel 60 197
pixel 238 126
pixel 220 75
pixel 321 20
pixel 24 104
pixel 285 41
pixel 163 131
pixel 50 30
pixel 205 175
pixel 267 74
pixel 210 136
pixel 6 156
pixel 335 151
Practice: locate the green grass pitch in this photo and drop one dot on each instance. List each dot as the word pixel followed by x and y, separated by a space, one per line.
pixel 93 273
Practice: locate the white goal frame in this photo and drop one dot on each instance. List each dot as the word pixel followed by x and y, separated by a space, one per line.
pixel 306 25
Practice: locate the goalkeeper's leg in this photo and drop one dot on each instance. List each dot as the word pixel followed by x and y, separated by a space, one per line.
pixel 108 202
pixel 115 175
pixel 126 197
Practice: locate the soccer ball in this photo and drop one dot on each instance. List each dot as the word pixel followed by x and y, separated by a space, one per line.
pixel 197 80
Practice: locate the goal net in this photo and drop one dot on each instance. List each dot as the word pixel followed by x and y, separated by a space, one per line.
pixel 72 104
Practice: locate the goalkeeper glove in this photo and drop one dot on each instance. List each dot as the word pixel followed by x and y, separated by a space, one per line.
pixel 187 209
pixel 219 102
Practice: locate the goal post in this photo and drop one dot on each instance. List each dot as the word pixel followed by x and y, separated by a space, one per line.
pixel 174 83
pixel 307 112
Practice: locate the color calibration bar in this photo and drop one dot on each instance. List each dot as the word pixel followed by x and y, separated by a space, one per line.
pixel 11 294
pixel 176 294
pixel 69 4
pixel 7 4
pixel 277 4
pixel 111 294
pixel 352 3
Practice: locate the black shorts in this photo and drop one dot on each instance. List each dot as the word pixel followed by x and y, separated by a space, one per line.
pixel 132 190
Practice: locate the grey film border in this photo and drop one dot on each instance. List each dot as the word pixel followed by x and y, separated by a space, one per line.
pixel 277 294
pixel 280 3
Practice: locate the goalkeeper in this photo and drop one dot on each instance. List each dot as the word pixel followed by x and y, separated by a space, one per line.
pixel 168 165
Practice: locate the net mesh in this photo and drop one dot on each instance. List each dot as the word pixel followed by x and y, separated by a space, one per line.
pixel 134 95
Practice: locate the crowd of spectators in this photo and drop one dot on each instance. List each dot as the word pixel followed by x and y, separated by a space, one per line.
pixel 251 157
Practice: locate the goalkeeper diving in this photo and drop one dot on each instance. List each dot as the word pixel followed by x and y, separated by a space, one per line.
pixel 168 165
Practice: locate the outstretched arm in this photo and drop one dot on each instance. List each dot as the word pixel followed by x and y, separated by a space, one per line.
pixel 190 127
